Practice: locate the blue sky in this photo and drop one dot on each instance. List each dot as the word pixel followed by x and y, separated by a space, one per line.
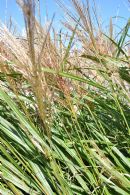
pixel 106 9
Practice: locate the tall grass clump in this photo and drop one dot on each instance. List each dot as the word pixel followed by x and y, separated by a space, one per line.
pixel 65 106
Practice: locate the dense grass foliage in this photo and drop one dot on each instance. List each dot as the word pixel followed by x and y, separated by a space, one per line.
pixel 64 111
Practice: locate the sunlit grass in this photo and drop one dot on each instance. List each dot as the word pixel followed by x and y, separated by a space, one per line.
pixel 64 111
